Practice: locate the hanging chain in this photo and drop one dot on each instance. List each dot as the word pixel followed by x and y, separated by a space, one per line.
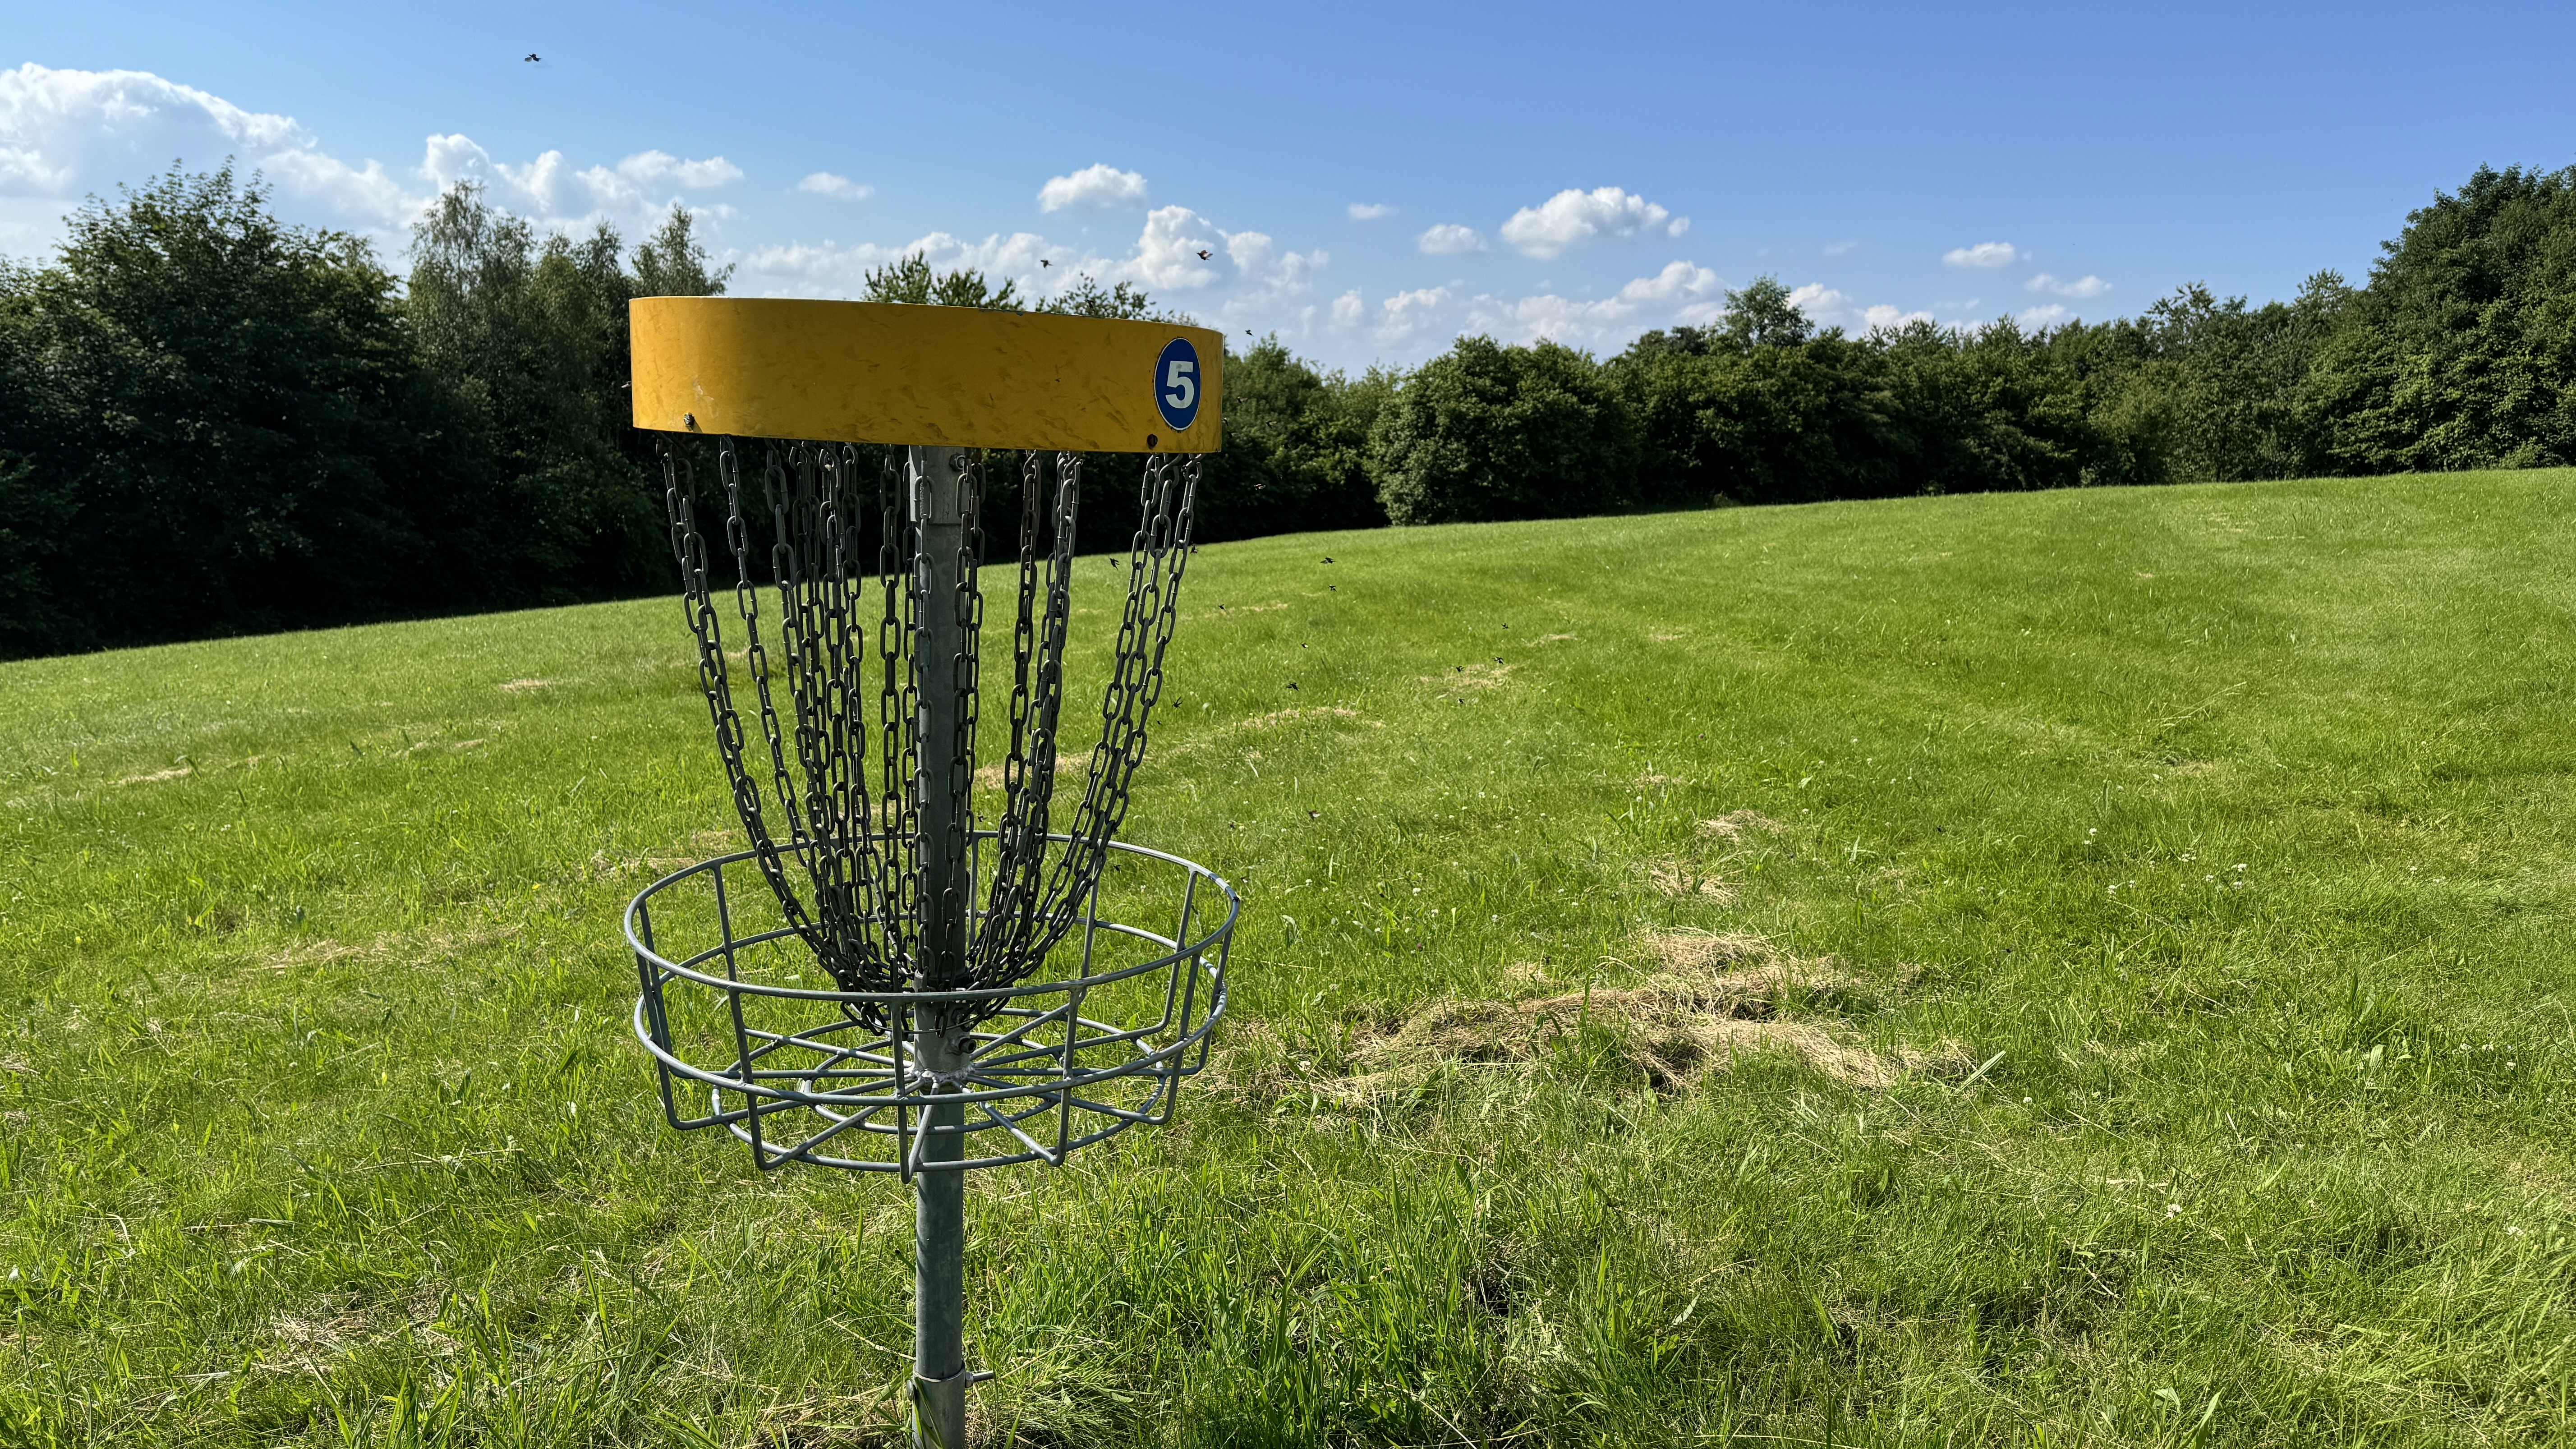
pixel 858 848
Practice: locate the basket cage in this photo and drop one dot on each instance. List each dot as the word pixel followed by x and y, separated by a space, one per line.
pixel 748 1033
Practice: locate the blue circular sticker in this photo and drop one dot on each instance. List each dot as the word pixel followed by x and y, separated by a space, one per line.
pixel 1176 384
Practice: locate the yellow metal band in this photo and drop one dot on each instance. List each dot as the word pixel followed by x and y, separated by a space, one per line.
pixel 886 372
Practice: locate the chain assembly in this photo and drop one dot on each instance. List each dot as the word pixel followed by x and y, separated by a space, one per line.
pixel 842 792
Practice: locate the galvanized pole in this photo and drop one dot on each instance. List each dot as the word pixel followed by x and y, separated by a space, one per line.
pixel 936 478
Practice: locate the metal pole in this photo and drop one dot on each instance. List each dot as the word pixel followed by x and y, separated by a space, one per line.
pixel 939 1375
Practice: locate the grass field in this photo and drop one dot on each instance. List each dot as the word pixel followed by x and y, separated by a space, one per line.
pixel 2071 968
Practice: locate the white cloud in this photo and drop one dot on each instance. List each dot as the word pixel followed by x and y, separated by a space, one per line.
pixel 1347 310
pixel 1683 292
pixel 1097 187
pixel 1678 281
pixel 1828 307
pixel 1370 210
pixel 1572 217
pixel 2087 285
pixel 830 267
pixel 660 168
pixel 2050 315
pixel 1983 254
pixel 64 133
pixel 1270 276
pixel 1407 315
pixel 1169 253
pixel 1820 302
pixel 635 191
pixel 1268 279
pixel 839 188
pixel 1841 248
pixel 1449 239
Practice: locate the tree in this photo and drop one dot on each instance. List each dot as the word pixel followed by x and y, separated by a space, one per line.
pixel 2460 352
pixel 215 420
pixel 1486 431
pixel 1296 448
pixel 670 263
pixel 558 504
pixel 1761 315
pixel 910 279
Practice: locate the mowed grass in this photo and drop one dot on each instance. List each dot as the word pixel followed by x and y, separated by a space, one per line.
pixel 2194 864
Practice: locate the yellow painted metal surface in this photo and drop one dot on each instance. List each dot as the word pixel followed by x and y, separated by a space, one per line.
pixel 887 372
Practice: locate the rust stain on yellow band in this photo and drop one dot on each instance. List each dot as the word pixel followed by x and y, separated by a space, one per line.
pixel 886 372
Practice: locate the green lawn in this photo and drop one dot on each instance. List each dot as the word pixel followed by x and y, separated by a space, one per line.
pixel 2081 967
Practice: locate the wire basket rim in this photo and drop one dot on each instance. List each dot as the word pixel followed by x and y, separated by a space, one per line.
pixel 1176 950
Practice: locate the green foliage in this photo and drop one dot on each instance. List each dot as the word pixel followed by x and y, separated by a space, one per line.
pixel 212 423
pixel 910 279
pixel 1296 448
pixel 532 334
pixel 2200 389
pixel 209 423
pixel 2461 351
pixel 671 263
pixel 322 1121
pixel 1087 298
pixel 1486 431
pixel 1761 315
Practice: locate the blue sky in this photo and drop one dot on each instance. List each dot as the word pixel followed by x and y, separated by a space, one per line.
pixel 1369 180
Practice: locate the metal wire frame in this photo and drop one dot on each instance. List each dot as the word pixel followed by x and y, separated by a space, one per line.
pixel 1036 1056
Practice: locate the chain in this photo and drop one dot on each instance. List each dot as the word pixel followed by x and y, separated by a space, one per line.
pixel 859 848
pixel 688 545
pixel 1155 562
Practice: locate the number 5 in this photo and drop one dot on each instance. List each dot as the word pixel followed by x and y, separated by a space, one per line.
pixel 1180 388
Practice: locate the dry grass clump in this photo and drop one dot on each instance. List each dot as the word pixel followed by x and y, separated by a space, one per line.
pixel 1077 766
pixel 314 1336
pixel 1681 879
pixel 1715 999
pixel 1734 825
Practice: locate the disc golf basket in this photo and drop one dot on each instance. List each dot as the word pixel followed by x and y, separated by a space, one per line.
pixel 921 967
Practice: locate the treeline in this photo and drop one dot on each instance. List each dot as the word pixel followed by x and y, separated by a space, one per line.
pixel 2459 352
pixel 214 423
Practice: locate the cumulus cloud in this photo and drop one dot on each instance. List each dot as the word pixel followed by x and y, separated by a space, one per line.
pixel 1678 281
pixel 1682 292
pixel 829 267
pixel 1983 254
pixel 1267 278
pixel 1818 301
pixel 1348 308
pixel 839 188
pixel 1370 210
pixel 661 168
pixel 548 189
pixel 2035 318
pixel 1269 275
pixel 1828 307
pixel 2084 286
pixel 1097 187
pixel 1571 218
pixel 1448 239
pixel 1408 315
pixel 64 133
pixel 1167 255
